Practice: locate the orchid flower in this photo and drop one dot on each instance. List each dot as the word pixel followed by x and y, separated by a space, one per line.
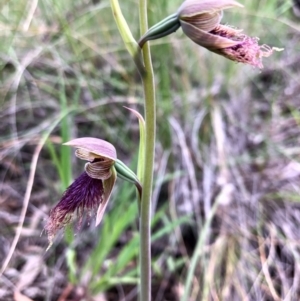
pixel 200 21
pixel 92 189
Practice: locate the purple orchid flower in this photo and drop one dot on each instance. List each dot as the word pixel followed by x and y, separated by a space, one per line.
pixel 91 190
pixel 200 21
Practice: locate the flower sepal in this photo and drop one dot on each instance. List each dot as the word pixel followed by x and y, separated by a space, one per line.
pixel 163 28
pixel 125 173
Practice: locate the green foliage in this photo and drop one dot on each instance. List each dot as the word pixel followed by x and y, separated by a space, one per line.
pixel 104 271
pixel 113 225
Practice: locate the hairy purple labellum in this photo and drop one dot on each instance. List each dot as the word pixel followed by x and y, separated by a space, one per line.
pixel 247 51
pixel 85 193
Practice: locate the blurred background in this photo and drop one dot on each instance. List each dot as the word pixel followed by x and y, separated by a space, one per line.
pixel 226 203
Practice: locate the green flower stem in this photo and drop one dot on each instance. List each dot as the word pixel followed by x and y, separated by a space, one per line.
pixel 150 121
pixel 146 71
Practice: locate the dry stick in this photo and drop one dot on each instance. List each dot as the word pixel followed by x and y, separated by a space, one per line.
pixel 265 268
pixel 25 203
pixel 198 252
pixel 28 194
pixel 32 8
pixel 190 168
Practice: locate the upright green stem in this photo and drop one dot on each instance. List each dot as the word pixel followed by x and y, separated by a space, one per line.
pixel 150 120
pixel 146 72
